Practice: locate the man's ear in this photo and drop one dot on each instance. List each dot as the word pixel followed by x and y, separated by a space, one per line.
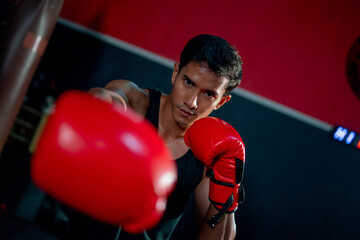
pixel 175 72
pixel 223 100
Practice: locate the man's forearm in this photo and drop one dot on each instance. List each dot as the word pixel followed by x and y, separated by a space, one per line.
pixel 109 96
pixel 225 229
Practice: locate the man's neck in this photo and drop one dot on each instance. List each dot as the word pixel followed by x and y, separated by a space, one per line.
pixel 170 131
pixel 168 128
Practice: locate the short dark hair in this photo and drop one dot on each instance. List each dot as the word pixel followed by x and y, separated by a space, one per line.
pixel 221 57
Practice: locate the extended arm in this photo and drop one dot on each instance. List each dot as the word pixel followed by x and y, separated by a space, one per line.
pixel 81 153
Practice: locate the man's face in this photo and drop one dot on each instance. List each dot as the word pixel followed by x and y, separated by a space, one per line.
pixel 196 92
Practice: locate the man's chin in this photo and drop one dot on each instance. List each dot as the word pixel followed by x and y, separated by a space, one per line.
pixel 185 124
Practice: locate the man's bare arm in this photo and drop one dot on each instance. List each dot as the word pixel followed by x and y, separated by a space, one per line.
pixel 125 93
pixel 225 229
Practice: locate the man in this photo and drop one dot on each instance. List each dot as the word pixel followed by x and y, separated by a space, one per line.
pixel 209 69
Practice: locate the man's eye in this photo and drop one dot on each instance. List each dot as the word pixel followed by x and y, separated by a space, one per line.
pixel 188 82
pixel 208 94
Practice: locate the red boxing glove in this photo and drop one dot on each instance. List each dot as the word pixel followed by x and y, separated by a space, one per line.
pixel 105 162
pixel 217 144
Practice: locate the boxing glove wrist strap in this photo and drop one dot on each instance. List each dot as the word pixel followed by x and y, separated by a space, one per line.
pixel 210 173
pixel 217 217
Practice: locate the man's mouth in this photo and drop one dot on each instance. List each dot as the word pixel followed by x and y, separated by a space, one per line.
pixel 186 113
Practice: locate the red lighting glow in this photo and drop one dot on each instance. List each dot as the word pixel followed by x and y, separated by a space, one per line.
pixel 358 144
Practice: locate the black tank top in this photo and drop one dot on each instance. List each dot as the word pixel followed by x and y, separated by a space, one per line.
pixel 190 172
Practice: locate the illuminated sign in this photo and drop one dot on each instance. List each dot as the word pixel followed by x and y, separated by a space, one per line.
pixel 346 136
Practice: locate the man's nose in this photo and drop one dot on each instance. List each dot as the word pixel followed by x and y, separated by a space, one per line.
pixel 192 100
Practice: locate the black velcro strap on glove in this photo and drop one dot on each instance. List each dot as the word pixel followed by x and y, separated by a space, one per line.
pixel 217 217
